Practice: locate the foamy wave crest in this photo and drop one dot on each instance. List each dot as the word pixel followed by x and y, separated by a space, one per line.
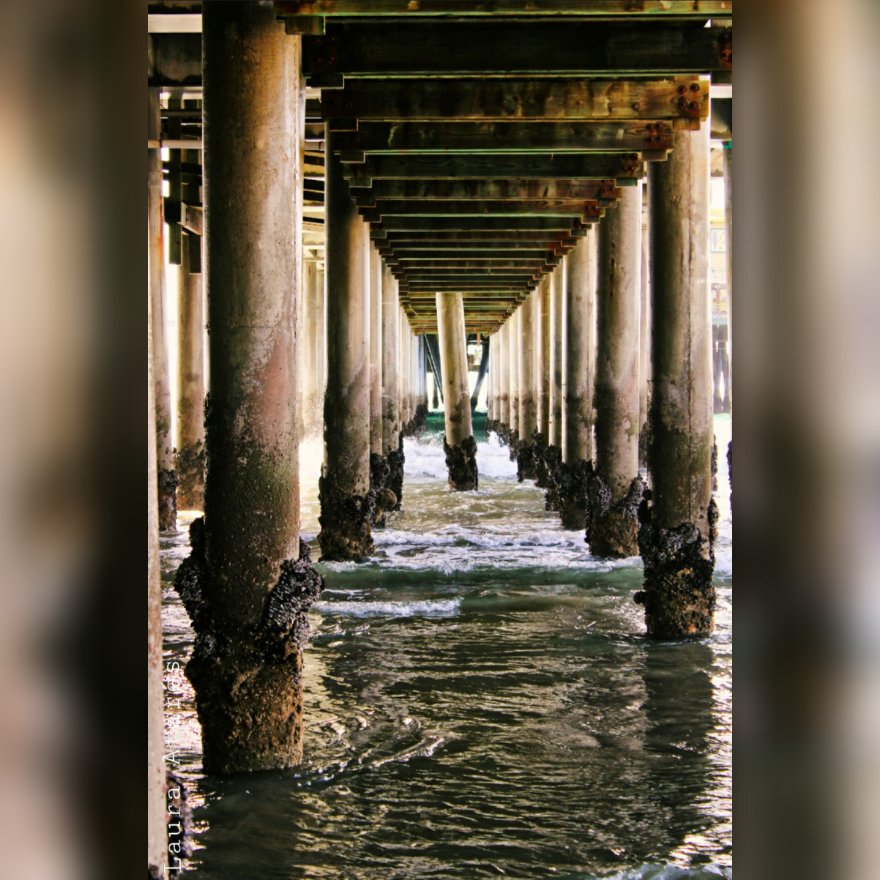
pixel 424 608
pixel 670 872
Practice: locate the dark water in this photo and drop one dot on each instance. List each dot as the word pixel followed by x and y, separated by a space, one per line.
pixel 481 702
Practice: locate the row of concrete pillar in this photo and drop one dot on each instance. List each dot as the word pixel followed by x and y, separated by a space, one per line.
pixel 610 360
pixel 290 347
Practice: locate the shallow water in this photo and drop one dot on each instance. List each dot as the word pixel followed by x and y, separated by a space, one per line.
pixel 480 702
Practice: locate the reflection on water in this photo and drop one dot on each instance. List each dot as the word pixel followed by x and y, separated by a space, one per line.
pixel 481 702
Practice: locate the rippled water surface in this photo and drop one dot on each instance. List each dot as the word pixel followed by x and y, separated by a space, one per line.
pixel 480 702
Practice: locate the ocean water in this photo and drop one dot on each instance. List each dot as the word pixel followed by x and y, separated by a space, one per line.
pixel 480 702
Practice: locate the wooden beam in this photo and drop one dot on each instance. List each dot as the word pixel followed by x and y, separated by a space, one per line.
pixel 536 100
pixel 590 9
pixel 503 47
pixel 589 211
pixel 500 166
pixel 505 137
pixel 452 238
pixel 481 224
pixel 487 189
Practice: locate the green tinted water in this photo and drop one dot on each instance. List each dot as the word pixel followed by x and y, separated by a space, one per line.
pixel 480 702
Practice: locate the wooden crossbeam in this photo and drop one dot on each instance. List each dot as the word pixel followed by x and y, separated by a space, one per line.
pixel 511 190
pixel 511 48
pixel 507 137
pixel 452 238
pixel 500 166
pixel 625 9
pixel 589 211
pixel 481 224
pixel 521 100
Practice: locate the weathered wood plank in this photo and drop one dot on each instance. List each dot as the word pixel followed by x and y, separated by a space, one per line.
pixel 626 9
pixel 509 190
pixel 481 224
pixel 536 100
pixel 499 47
pixel 589 211
pixel 505 137
pixel 501 166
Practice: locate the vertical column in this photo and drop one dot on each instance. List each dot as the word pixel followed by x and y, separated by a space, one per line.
pixel 157 804
pixel 513 339
pixel 321 350
pixel 645 338
pixel 579 381
pixel 312 348
pixel 248 583
pixel 529 384
pixel 491 396
pixel 558 360
pixel 482 372
pixel 678 525
pixel 392 440
pixel 727 403
pixel 553 474
pixel 403 323
pixel 346 501
pixel 545 359
pixel 615 488
pixel 458 442
pixel 166 475
pixel 502 366
pixel 190 458
pixel 379 470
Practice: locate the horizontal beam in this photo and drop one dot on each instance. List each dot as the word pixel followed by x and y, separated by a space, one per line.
pixel 499 47
pixel 500 166
pixel 452 237
pixel 520 100
pixel 507 137
pixel 588 211
pixel 481 224
pixel 626 9
pixel 511 190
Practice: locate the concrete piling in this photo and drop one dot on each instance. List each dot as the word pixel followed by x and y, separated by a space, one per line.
pixel 458 442
pixel 678 522
pixel 615 489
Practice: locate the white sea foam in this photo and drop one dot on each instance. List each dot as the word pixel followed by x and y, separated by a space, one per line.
pixel 419 608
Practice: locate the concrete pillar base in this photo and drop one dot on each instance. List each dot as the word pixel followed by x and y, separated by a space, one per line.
pixel 190 465
pixel 644 442
pixel 385 498
pixel 613 526
pixel 552 467
pixel 461 461
pixel 396 460
pixel 678 594
pixel 572 485
pixel 248 684
pixel 345 523
pixel 167 500
pixel 525 460
pixel 539 454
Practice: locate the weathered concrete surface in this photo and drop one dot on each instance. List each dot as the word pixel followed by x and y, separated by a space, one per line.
pixel 513 339
pixel 503 368
pixel 166 476
pixel 346 502
pixel 557 413
pixel 645 339
pixel 612 528
pixel 312 350
pixel 375 281
pixel 458 442
pixel 545 362
pixel 190 456
pixel 529 383
pixel 247 584
pixel 157 832
pixel 677 528
pixel 577 451
pixel 392 448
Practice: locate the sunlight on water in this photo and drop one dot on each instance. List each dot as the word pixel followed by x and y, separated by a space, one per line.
pixel 480 701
